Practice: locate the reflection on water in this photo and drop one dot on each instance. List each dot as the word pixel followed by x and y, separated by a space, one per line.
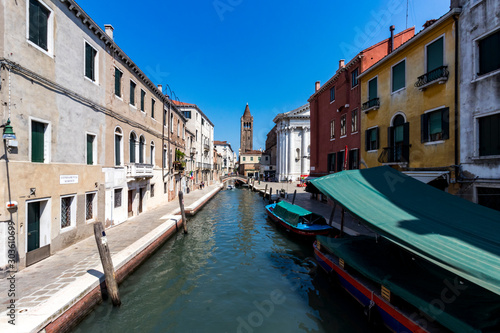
pixel 233 272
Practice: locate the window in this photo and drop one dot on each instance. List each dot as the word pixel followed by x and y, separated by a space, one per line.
pixel 68 211
pixel 354 78
pixel 371 139
pixel 118 197
pixel 488 197
pixel 353 159
pixel 372 89
pixel 40 143
pixel 340 160
pixel 187 114
pixel 90 206
pixel 332 129
pixel 40 21
pixel 399 76
pixel 202 121
pixel 143 97
pixel 132 145
pixel 489 53
pixel 354 121
pixel 152 153
pixel 243 158
pixel 90 62
pixel 178 128
pixel 152 193
pixel 297 154
pixel 331 162
pixel 132 93
pixel 259 158
pixel 171 123
pixel 251 158
pixel 332 94
pixel 118 82
pixel 434 126
pixel 164 188
pixel 164 156
pixel 183 132
pixel 435 52
pixel 118 146
pixel 489 135
pixel 398 137
pixel 153 108
pixel 142 150
pixel 90 149
pixel 343 125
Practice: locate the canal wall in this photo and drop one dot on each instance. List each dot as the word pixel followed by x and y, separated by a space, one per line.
pixel 68 305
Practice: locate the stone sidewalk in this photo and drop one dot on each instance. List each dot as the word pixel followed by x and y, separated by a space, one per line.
pixel 43 286
pixel 303 199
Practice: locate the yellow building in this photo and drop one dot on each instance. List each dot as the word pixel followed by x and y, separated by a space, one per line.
pixel 409 106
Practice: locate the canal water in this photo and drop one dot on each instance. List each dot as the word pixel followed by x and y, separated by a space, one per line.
pixel 234 272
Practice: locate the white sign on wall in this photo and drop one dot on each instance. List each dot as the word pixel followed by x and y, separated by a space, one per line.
pixel 68 179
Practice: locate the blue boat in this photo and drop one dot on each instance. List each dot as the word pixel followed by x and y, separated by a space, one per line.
pixel 298 220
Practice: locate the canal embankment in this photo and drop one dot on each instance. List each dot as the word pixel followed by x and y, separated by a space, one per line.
pixel 54 294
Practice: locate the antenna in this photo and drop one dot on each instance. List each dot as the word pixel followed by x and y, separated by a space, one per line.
pixel 407 14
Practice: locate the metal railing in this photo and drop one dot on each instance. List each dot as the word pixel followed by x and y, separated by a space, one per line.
pixel 436 74
pixel 372 103
pixel 396 154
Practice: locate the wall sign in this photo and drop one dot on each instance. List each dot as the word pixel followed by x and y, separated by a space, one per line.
pixel 68 179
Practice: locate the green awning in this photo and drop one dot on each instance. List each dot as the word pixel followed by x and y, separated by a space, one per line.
pixel 453 233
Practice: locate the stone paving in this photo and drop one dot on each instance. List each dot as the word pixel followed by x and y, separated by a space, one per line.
pixel 36 284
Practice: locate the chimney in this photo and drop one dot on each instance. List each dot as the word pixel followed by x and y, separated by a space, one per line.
pixel 391 42
pixel 317 86
pixel 160 88
pixel 341 63
pixel 109 30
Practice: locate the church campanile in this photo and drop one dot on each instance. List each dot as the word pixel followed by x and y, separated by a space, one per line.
pixel 246 138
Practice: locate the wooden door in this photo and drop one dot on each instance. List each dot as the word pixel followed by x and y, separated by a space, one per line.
pixel 33 226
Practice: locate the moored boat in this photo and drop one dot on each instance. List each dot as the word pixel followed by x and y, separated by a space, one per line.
pixel 298 220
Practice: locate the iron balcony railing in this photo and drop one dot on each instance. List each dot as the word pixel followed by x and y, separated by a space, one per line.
pixel 372 103
pixel 204 166
pixel 396 154
pixel 440 73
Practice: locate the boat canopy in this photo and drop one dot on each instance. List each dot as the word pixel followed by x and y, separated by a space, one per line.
pixel 455 234
pixel 293 214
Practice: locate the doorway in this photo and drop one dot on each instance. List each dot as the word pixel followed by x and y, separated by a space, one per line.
pixel 130 202
pixel 141 194
pixel 38 231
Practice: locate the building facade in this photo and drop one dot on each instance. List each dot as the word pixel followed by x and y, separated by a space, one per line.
pixel 479 31
pixel 412 126
pixel 336 110
pixel 271 151
pixel 228 156
pixel 249 163
pixel 293 143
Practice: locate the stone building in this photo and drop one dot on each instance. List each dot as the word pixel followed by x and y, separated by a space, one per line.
pixel 228 156
pixel 479 33
pixel 293 143
pixel 246 131
pixel 271 148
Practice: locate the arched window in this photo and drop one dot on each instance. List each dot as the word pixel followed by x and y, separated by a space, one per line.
pixel 142 150
pixel 152 155
pixel 132 147
pixel 118 146
pixel 297 154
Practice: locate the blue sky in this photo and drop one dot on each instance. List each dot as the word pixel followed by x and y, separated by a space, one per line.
pixel 222 54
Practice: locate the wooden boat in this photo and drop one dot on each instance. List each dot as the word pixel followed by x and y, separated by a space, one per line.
pixel 298 220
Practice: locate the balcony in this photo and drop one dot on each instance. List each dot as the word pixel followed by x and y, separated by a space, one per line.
pixel 204 166
pixel 178 166
pixel 206 147
pixel 372 104
pixel 438 75
pixel 139 170
pixel 192 151
pixel 399 154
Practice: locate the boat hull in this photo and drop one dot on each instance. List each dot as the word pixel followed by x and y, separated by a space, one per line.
pixel 371 301
pixel 297 231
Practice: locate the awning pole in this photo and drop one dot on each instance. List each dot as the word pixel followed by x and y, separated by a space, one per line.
pixel 333 213
pixel 341 222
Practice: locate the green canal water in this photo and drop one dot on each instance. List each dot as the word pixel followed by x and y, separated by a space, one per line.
pixel 234 272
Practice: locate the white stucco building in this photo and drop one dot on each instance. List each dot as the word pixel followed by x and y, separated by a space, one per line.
pixel 293 143
pixel 479 31
pixel 228 156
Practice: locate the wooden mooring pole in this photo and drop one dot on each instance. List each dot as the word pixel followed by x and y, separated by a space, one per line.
pixel 341 221
pixel 270 194
pixel 333 213
pixel 107 263
pixel 294 194
pixel 183 214
pixel 265 191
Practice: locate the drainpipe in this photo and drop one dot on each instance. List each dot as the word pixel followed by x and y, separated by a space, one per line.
pixel 457 167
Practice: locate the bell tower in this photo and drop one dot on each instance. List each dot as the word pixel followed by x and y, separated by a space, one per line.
pixel 246 136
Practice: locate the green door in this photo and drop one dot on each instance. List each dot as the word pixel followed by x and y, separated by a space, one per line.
pixel 33 226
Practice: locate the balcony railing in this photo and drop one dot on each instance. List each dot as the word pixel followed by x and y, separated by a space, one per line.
pixel 193 150
pixel 204 166
pixel 372 104
pixel 438 75
pixel 398 154
pixel 139 170
pixel 206 146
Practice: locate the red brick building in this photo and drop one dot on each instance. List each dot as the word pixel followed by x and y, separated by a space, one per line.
pixel 336 107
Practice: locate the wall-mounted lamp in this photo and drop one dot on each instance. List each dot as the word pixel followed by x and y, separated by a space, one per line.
pixel 8 131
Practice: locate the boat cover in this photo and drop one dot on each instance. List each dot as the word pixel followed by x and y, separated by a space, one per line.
pixel 459 305
pixel 453 233
pixel 290 213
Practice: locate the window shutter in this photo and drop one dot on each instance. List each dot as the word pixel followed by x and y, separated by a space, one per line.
pixel 445 123
pixel 43 17
pixel 88 61
pixel 424 128
pixel 377 146
pixel 489 51
pixel 33 21
pixel 117 150
pixel 372 89
pixel 390 136
pixel 398 76
pixel 132 150
pixel 367 140
pixel 37 142
pixel 118 77
pixel 406 142
pixel 435 55
pixel 90 151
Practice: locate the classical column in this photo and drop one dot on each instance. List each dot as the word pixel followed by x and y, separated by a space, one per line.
pixel 303 152
pixel 291 154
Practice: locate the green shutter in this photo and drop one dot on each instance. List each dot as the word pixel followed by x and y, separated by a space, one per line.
pixel 372 89
pixel 143 94
pixel 117 150
pixel 489 53
pixel 37 142
pixel 90 149
pixel 118 81
pixel 435 55
pixel 489 135
pixel 445 123
pixel 33 21
pixel 132 150
pixel 424 128
pixel 398 76
pixel 132 93
pixel 88 62
pixel 38 24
